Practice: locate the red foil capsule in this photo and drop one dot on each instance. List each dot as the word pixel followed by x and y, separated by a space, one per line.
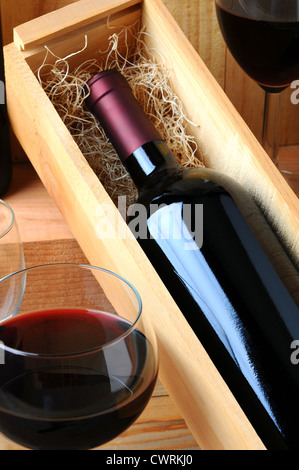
pixel 111 100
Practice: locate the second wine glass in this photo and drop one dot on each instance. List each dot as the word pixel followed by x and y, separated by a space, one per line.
pixel 11 260
pixel 263 37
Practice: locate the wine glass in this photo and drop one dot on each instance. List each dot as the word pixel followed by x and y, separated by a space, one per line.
pixel 79 359
pixel 11 258
pixel 263 37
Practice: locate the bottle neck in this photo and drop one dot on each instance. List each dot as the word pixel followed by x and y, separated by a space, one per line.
pixel 111 100
pixel 148 160
pixel 135 139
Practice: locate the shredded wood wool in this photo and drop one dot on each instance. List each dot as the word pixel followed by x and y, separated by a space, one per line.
pixel 150 84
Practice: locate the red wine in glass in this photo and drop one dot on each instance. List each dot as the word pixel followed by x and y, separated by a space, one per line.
pixel 266 47
pixel 40 404
pixel 80 359
pixel 263 37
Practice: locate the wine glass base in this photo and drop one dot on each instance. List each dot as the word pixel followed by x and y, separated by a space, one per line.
pixel 292 179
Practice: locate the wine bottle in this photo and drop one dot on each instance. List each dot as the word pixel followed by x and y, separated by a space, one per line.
pixel 5 155
pixel 212 264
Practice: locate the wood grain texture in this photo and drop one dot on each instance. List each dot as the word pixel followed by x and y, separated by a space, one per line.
pixel 48 27
pixel 17 12
pixel 94 33
pixel 198 21
pixel 37 215
pixel 12 14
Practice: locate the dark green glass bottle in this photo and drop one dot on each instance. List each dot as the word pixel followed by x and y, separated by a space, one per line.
pixel 5 151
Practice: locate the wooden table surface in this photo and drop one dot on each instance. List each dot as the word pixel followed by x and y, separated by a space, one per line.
pixel 46 238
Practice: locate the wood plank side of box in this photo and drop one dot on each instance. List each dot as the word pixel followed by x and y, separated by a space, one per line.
pixel 210 410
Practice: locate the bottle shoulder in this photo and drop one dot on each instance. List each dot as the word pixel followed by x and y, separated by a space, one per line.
pixel 179 183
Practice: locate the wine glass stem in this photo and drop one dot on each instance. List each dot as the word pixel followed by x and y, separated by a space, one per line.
pixel 271 125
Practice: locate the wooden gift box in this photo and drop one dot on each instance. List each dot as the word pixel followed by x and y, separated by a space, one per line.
pixel 210 410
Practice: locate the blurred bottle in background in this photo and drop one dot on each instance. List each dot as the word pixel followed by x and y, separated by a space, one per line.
pixel 5 153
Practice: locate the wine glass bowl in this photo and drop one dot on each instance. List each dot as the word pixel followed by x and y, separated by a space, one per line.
pixel 11 260
pixel 263 37
pixel 11 248
pixel 80 359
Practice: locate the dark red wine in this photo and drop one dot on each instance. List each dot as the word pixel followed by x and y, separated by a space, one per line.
pixel 73 400
pixel 212 264
pixel 266 49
